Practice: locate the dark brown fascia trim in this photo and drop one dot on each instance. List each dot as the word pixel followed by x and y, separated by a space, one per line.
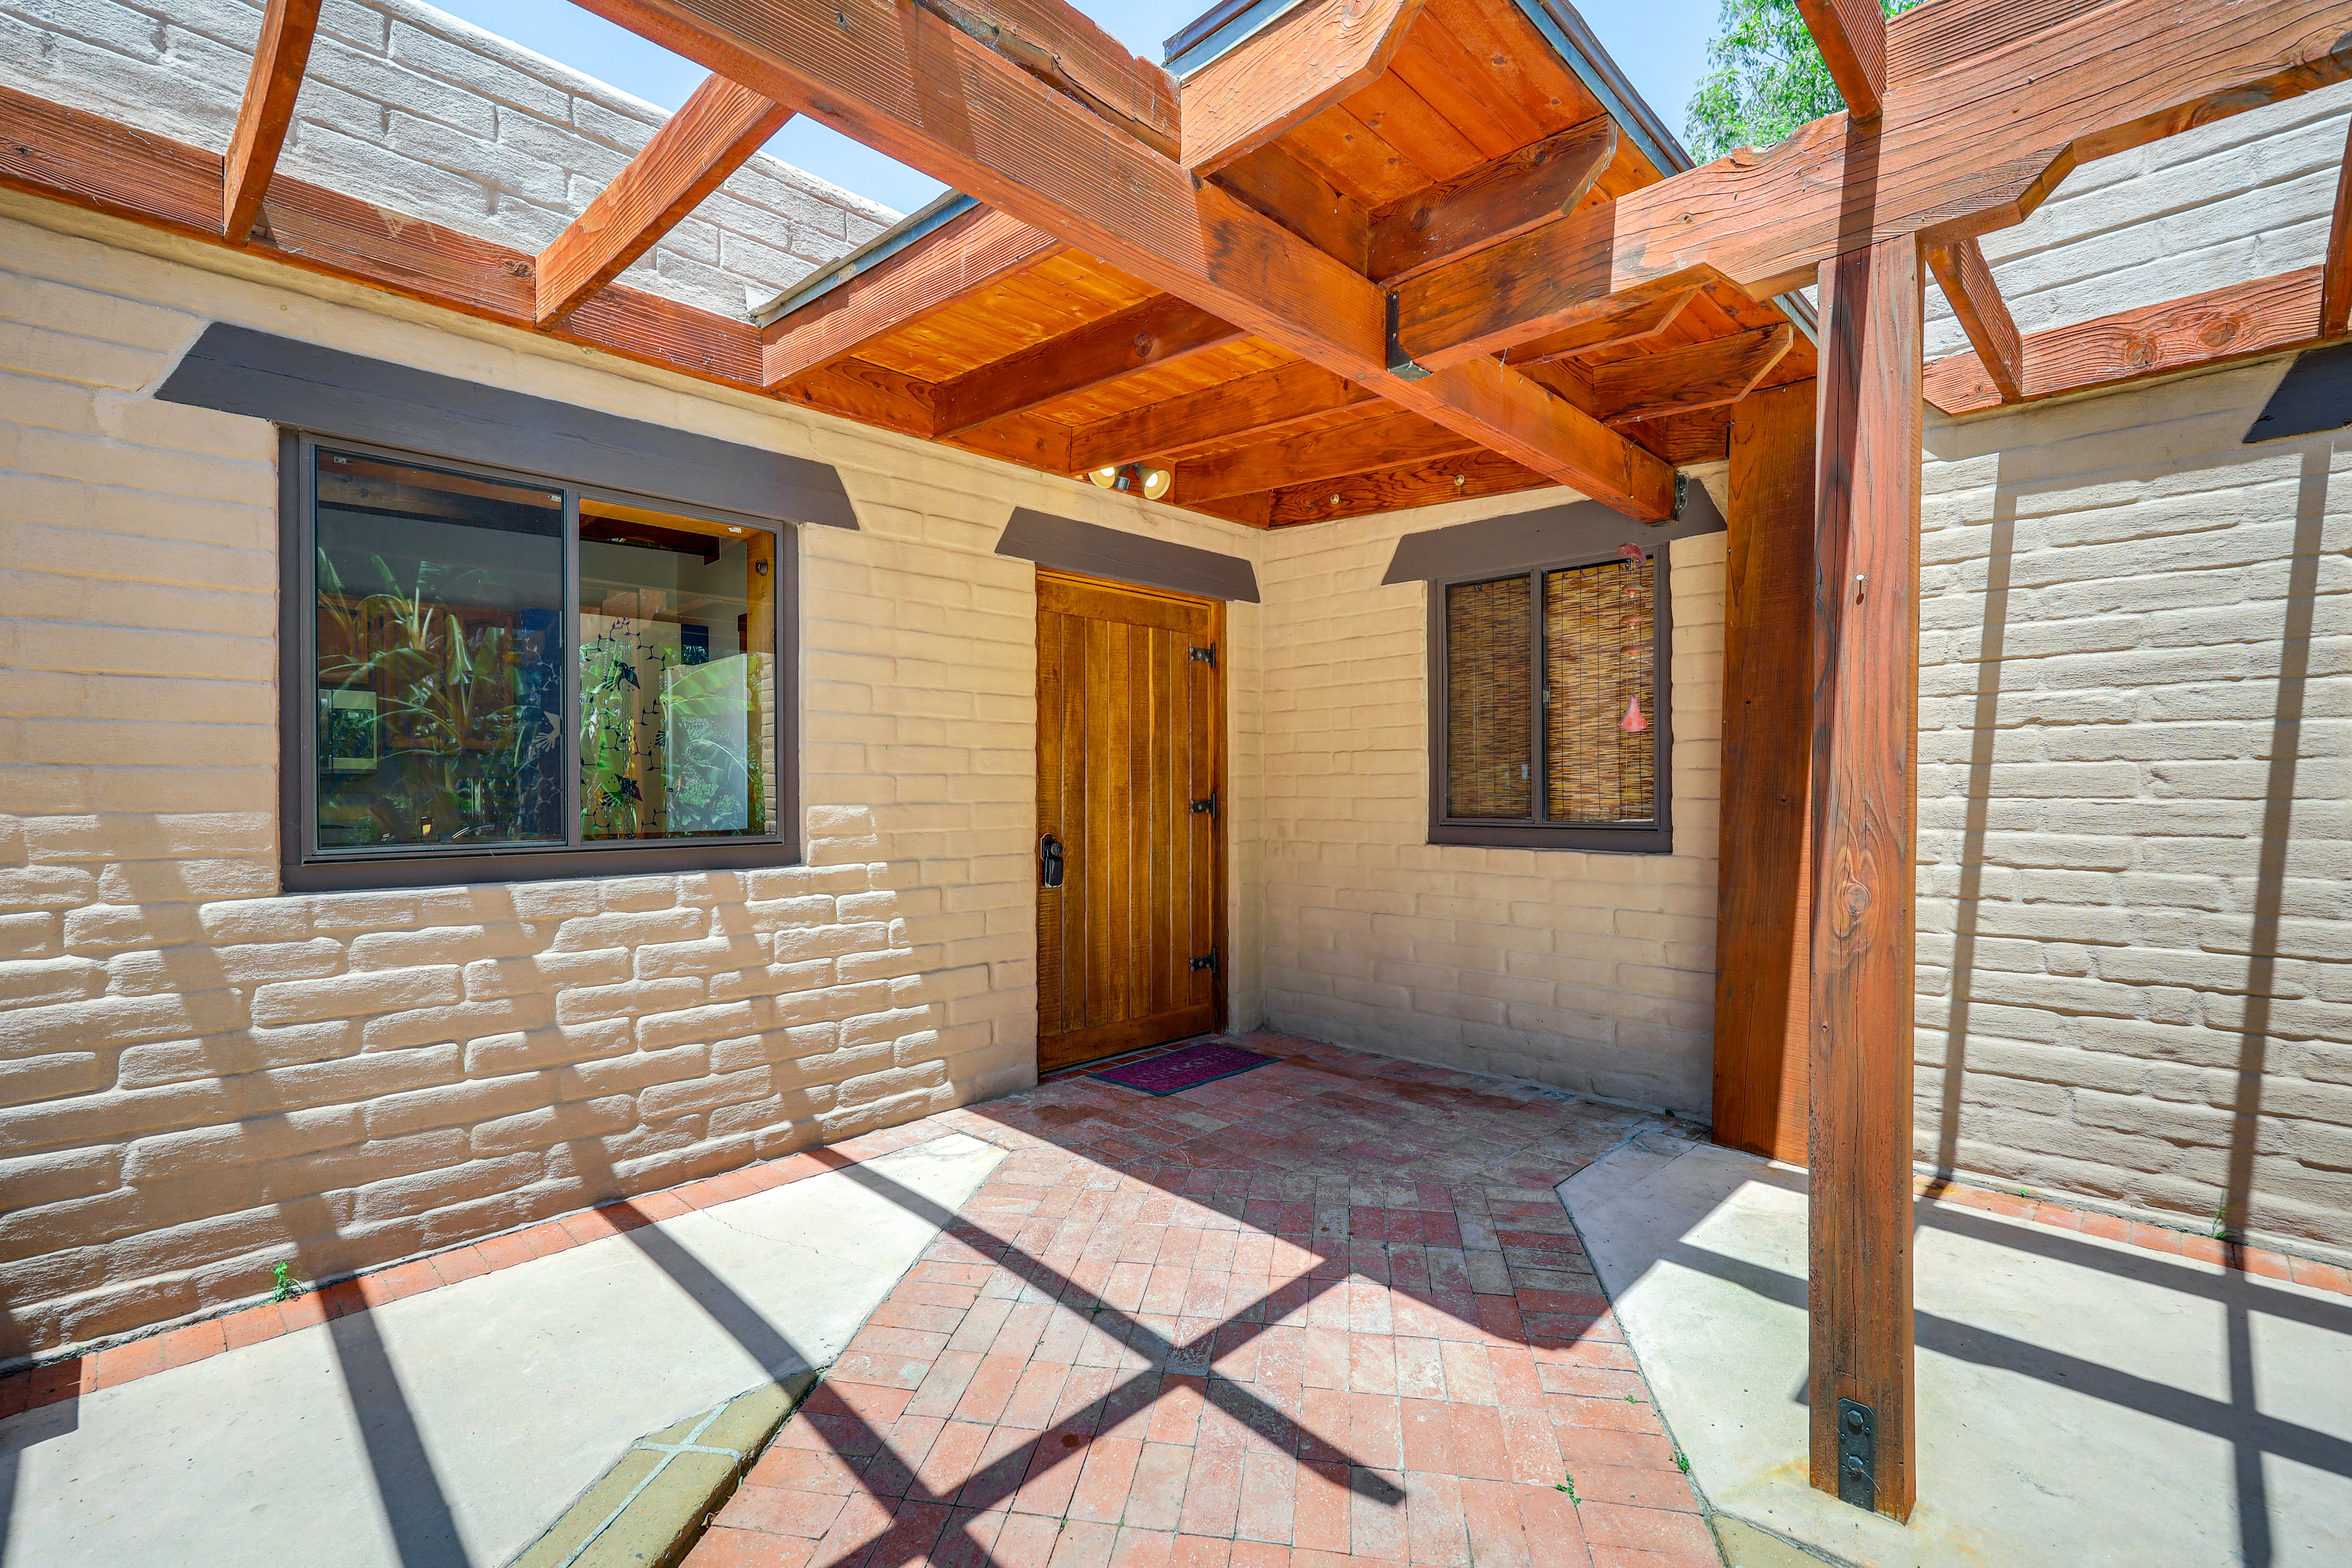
pixel 1496 546
pixel 304 386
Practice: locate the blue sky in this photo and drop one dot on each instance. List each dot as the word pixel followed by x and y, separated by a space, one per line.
pixel 1661 43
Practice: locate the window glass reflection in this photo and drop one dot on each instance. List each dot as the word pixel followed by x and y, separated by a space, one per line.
pixel 439 671
pixel 676 675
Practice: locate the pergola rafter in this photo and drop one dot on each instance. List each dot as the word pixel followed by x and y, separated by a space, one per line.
pixel 711 136
pixel 280 55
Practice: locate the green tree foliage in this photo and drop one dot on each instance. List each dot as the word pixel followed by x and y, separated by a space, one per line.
pixel 1764 79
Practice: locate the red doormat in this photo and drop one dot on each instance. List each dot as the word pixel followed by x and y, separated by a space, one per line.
pixel 1189 1068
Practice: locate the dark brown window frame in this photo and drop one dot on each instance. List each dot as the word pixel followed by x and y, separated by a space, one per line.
pixel 303 867
pixel 1653 838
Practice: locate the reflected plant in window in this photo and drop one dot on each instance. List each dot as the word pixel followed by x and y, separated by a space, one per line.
pixel 677 687
pixel 438 697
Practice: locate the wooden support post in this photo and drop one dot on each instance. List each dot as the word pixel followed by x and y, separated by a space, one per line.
pixel 1865 714
pixel 279 56
pixel 2336 286
pixel 1763 1051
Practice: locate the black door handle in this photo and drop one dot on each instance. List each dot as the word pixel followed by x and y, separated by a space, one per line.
pixel 1051 850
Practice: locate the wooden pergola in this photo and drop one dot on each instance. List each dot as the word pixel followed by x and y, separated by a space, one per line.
pixel 1363 255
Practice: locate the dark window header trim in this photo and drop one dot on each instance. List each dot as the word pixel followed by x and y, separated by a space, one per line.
pixel 1066 544
pixel 305 387
pixel 1552 536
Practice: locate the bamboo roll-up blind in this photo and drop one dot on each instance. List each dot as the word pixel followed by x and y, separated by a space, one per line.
pixel 1600 669
pixel 1490 708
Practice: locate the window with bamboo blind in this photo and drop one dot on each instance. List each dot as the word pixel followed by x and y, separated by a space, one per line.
pixel 1550 707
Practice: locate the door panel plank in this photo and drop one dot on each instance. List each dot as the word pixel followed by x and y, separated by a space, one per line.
pixel 1128 739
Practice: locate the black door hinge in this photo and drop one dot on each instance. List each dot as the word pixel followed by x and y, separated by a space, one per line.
pixel 1207 655
pixel 1207 960
pixel 1206 807
pixel 1857 1437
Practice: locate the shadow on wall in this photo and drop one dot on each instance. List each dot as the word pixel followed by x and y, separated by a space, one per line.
pixel 2041 468
pixel 619 1037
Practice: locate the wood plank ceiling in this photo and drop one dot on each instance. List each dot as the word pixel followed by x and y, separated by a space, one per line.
pixel 1461 126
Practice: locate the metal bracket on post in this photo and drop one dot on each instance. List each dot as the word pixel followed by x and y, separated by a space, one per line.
pixel 1400 364
pixel 1857 1436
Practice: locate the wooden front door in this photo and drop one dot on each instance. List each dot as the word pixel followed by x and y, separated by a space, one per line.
pixel 1128 761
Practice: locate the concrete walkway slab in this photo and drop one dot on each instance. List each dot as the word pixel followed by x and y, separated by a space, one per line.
pixel 2084 1403
pixel 453 1427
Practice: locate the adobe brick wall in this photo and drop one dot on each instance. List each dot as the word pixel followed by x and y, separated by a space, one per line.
pixel 1591 973
pixel 408 106
pixel 2242 198
pixel 199 1078
pixel 2136 707
pixel 2132 830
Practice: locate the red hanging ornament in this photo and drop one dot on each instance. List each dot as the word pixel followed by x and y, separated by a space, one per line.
pixel 1633 723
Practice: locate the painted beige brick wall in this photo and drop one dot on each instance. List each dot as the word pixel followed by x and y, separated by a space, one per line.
pixel 1591 973
pixel 2136 707
pixel 199 1079
pixel 408 106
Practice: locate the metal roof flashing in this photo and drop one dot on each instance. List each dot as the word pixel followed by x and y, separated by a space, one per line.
pixel 940 211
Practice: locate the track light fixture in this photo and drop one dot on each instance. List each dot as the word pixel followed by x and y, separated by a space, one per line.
pixel 1142 478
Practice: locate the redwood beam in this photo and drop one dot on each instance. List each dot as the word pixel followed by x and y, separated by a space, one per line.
pixel 1319 53
pixel 1687 378
pixel 1763 1049
pixel 1155 332
pixel 2336 290
pixel 1387 441
pixel 1865 665
pixel 1538 184
pixel 1069 53
pixel 2019 95
pixel 2269 315
pixel 936 273
pixel 1639 315
pixel 279 56
pixel 68 155
pixel 1852 35
pixel 690 156
pixel 1426 483
pixel 1967 283
pixel 911 86
pixel 1233 411
pixel 1302 201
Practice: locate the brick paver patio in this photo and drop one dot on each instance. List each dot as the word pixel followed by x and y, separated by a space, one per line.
pixel 1327 1309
